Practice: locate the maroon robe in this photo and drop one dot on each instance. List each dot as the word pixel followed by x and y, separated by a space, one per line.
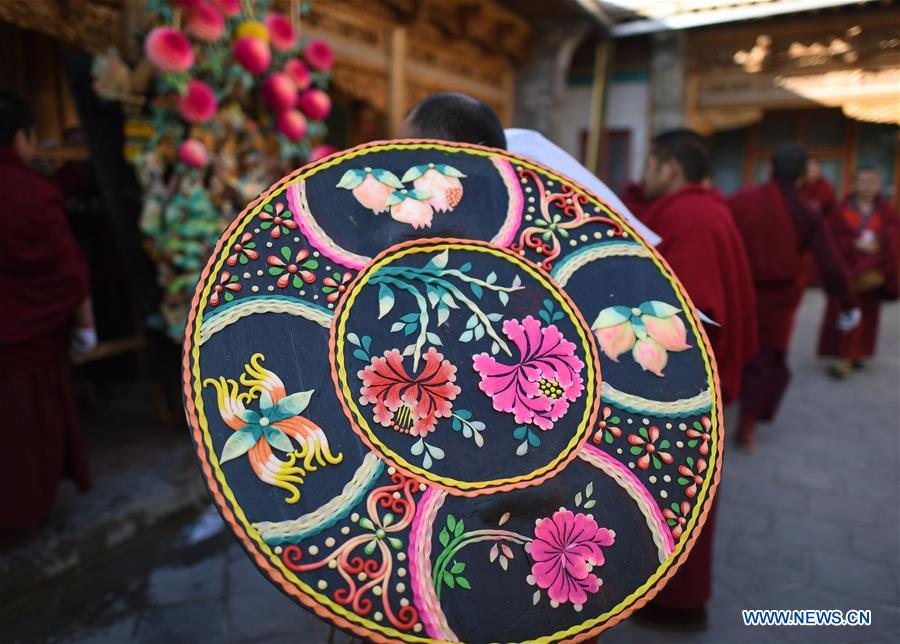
pixel 778 229
pixel 700 243
pixel 42 280
pixel 635 199
pixel 820 195
pixel 846 225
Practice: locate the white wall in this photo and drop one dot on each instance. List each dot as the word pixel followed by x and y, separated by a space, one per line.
pixel 628 107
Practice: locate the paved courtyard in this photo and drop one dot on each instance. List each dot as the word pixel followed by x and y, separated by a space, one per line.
pixel 808 520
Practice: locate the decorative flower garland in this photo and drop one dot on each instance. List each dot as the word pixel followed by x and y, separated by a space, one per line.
pixel 232 102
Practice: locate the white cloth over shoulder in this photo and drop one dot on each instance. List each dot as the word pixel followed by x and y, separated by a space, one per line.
pixel 534 145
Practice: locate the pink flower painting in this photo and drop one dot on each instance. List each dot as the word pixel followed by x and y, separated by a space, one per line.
pixel 539 386
pixel 649 331
pixel 565 549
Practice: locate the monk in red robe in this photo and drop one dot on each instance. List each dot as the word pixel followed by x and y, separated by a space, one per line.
pixel 818 192
pixel 779 228
pixel 43 294
pixel 868 230
pixel 701 244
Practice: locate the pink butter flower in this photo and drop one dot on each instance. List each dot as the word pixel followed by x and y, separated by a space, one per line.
pixel 292 124
pixel 193 153
pixel 321 151
pixel 649 331
pixel 315 104
pixel 541 384
pixel 253 54
pixel 169 49
pixel 282 34
pixel 319 55
pixel 230 8
pixel 565 550
pixel 204 22
pixel 280 91
pixel 409 404
pixel 299 73
pixel 198 104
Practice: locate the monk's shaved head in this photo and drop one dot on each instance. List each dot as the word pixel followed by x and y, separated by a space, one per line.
pixel 789 162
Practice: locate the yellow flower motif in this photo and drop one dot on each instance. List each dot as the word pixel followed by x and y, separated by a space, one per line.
pixel 276 427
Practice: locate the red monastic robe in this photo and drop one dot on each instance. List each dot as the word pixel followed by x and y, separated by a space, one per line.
pixel 846 225
pixel 778 229
pixel 701 244
pixel 820 195
pixel 43 277
pixel 635 199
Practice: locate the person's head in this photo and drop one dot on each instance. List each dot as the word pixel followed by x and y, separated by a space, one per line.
pixel 677 158
pixel 813 170
pixel 868 183
pixel 452 116
pixel 789 162
pixel 17 126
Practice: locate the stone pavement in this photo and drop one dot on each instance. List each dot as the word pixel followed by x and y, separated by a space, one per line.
pixel 808 520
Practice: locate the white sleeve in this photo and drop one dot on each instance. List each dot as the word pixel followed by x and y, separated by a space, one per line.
pixel 535 146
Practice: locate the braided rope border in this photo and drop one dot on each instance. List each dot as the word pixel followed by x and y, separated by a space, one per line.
pixel 430 611
pixel 569 264
pixel 326 515
pixel 315 234
pixel 226 316
pixel 648 506
pixel 510 228
pixel 699 404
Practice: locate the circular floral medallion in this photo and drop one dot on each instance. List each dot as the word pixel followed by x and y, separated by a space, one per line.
pixel 442 339
pixel 392 377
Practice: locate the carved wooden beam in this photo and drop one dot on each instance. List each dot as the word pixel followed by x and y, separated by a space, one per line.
pixel 90 25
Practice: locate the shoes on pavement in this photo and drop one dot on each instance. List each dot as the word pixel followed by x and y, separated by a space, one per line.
pixel 840 369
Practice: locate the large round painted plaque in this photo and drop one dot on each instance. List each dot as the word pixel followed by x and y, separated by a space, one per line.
pixel 440 393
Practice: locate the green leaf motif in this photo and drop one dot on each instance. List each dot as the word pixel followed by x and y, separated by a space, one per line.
pixel 239 443
pixel 351 179
pixel 278 439
pixel 439 260
pixel 460 526
pixel 294 404
pixel 457 567
pixel 449 171
pixel 451 522
pixel 611 317
pixel 658 309
pixel 444 537
pixel 385 300
pixel 448 579
pixel 414 173
pixel 387 177
pixel 462 582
